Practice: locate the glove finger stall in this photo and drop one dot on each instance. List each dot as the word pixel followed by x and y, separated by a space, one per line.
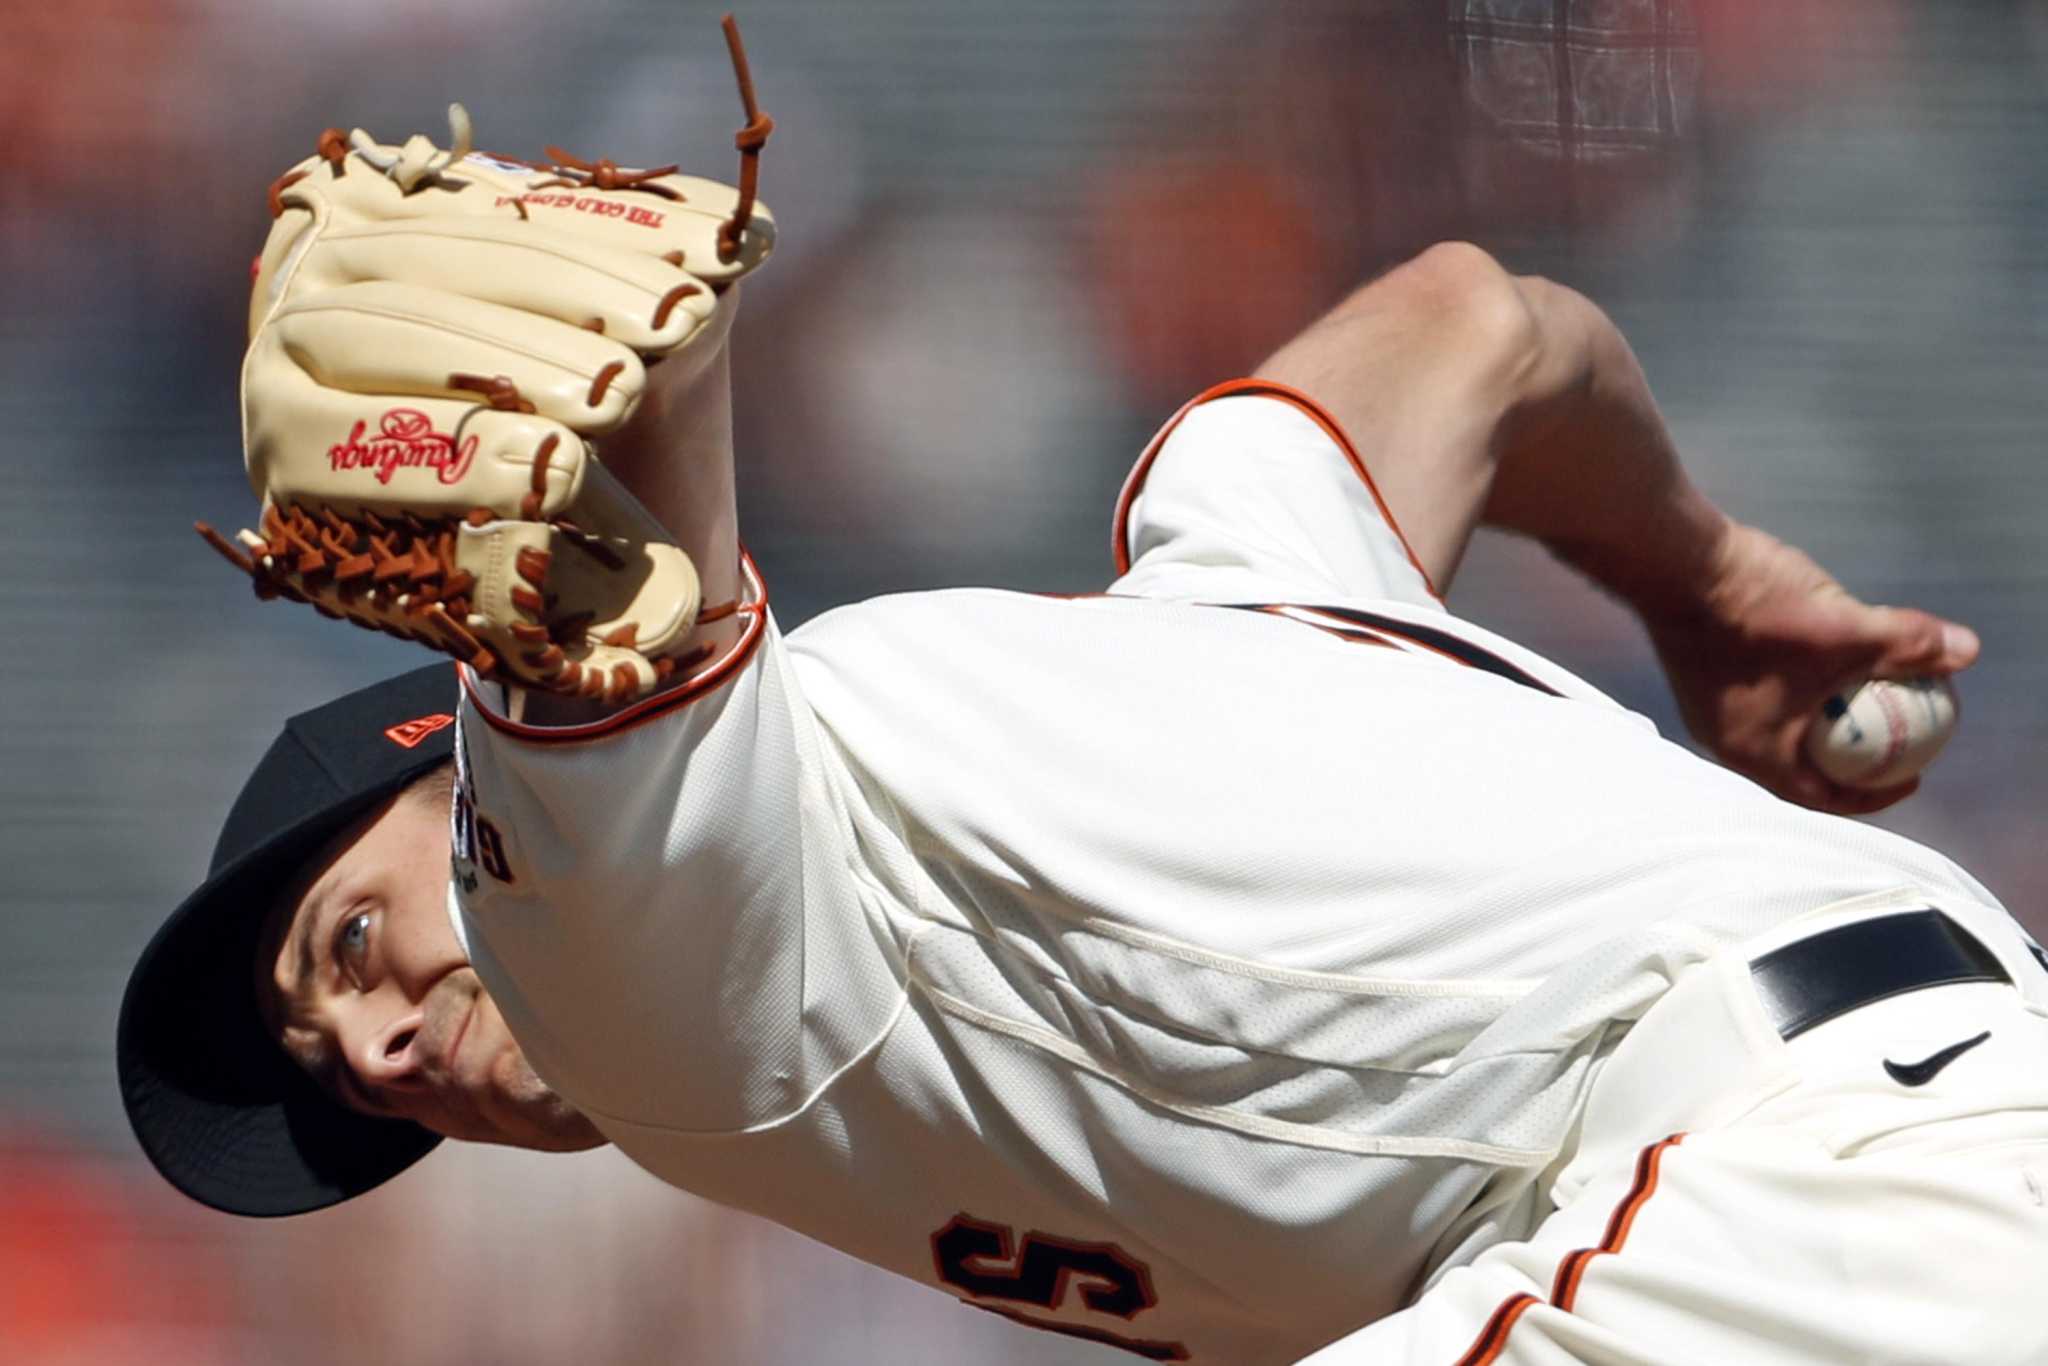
pixel 676 218
pixel 641 302
pixel 381 338
pixel 307 443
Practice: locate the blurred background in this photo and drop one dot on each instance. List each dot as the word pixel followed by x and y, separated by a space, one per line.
pixel 1016 234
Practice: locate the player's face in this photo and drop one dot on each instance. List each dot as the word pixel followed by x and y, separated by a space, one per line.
pixel 364 984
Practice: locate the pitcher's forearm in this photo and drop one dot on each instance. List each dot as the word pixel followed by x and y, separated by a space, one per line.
pixel 1587 466
pixel 676 457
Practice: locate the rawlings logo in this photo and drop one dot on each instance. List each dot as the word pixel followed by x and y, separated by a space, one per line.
pixel 405 439
pixel 603 208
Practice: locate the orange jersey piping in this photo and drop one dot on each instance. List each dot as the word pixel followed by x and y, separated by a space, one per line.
pixel 754 608
pixel 1564 1290
pixel 1120 542
pixel 1494 1336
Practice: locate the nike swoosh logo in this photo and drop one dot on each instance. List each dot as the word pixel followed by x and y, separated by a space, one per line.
pixel 1924 1071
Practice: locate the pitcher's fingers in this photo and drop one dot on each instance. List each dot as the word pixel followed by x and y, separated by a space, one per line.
pixel 1809 787
pixel 1851 801
pixel 1911 643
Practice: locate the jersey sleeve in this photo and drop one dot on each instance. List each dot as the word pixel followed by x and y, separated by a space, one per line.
pixel 660 909
pixel 1253 493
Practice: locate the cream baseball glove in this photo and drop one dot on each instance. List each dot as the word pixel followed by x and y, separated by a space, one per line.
pixel 440 341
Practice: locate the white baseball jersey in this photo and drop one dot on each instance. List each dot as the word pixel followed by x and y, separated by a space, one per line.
pixel 1201 967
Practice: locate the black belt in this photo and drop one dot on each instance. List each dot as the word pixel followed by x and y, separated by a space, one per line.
pixel 1812 980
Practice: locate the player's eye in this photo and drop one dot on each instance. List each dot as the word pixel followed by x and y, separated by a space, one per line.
pixel 352 947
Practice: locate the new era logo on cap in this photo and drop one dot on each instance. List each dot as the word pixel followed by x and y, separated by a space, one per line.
pixel 408 734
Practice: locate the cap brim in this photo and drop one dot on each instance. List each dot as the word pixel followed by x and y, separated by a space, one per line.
pixel 217 1106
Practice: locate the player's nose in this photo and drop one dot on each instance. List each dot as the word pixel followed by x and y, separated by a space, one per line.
pixel 390 1054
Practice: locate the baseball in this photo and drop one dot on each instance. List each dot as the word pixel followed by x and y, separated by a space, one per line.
pixel 1883 732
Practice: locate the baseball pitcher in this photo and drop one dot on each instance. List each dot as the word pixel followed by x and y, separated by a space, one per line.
pixel 1250 963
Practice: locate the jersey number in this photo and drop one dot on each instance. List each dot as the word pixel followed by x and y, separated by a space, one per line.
pixel 476 839
pixel 985 1261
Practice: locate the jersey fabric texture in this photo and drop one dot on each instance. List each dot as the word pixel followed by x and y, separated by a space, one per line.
pixel 1738 1197
pixel 1206 967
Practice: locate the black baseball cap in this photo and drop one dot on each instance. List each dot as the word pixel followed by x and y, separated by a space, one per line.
pixel 220 1109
